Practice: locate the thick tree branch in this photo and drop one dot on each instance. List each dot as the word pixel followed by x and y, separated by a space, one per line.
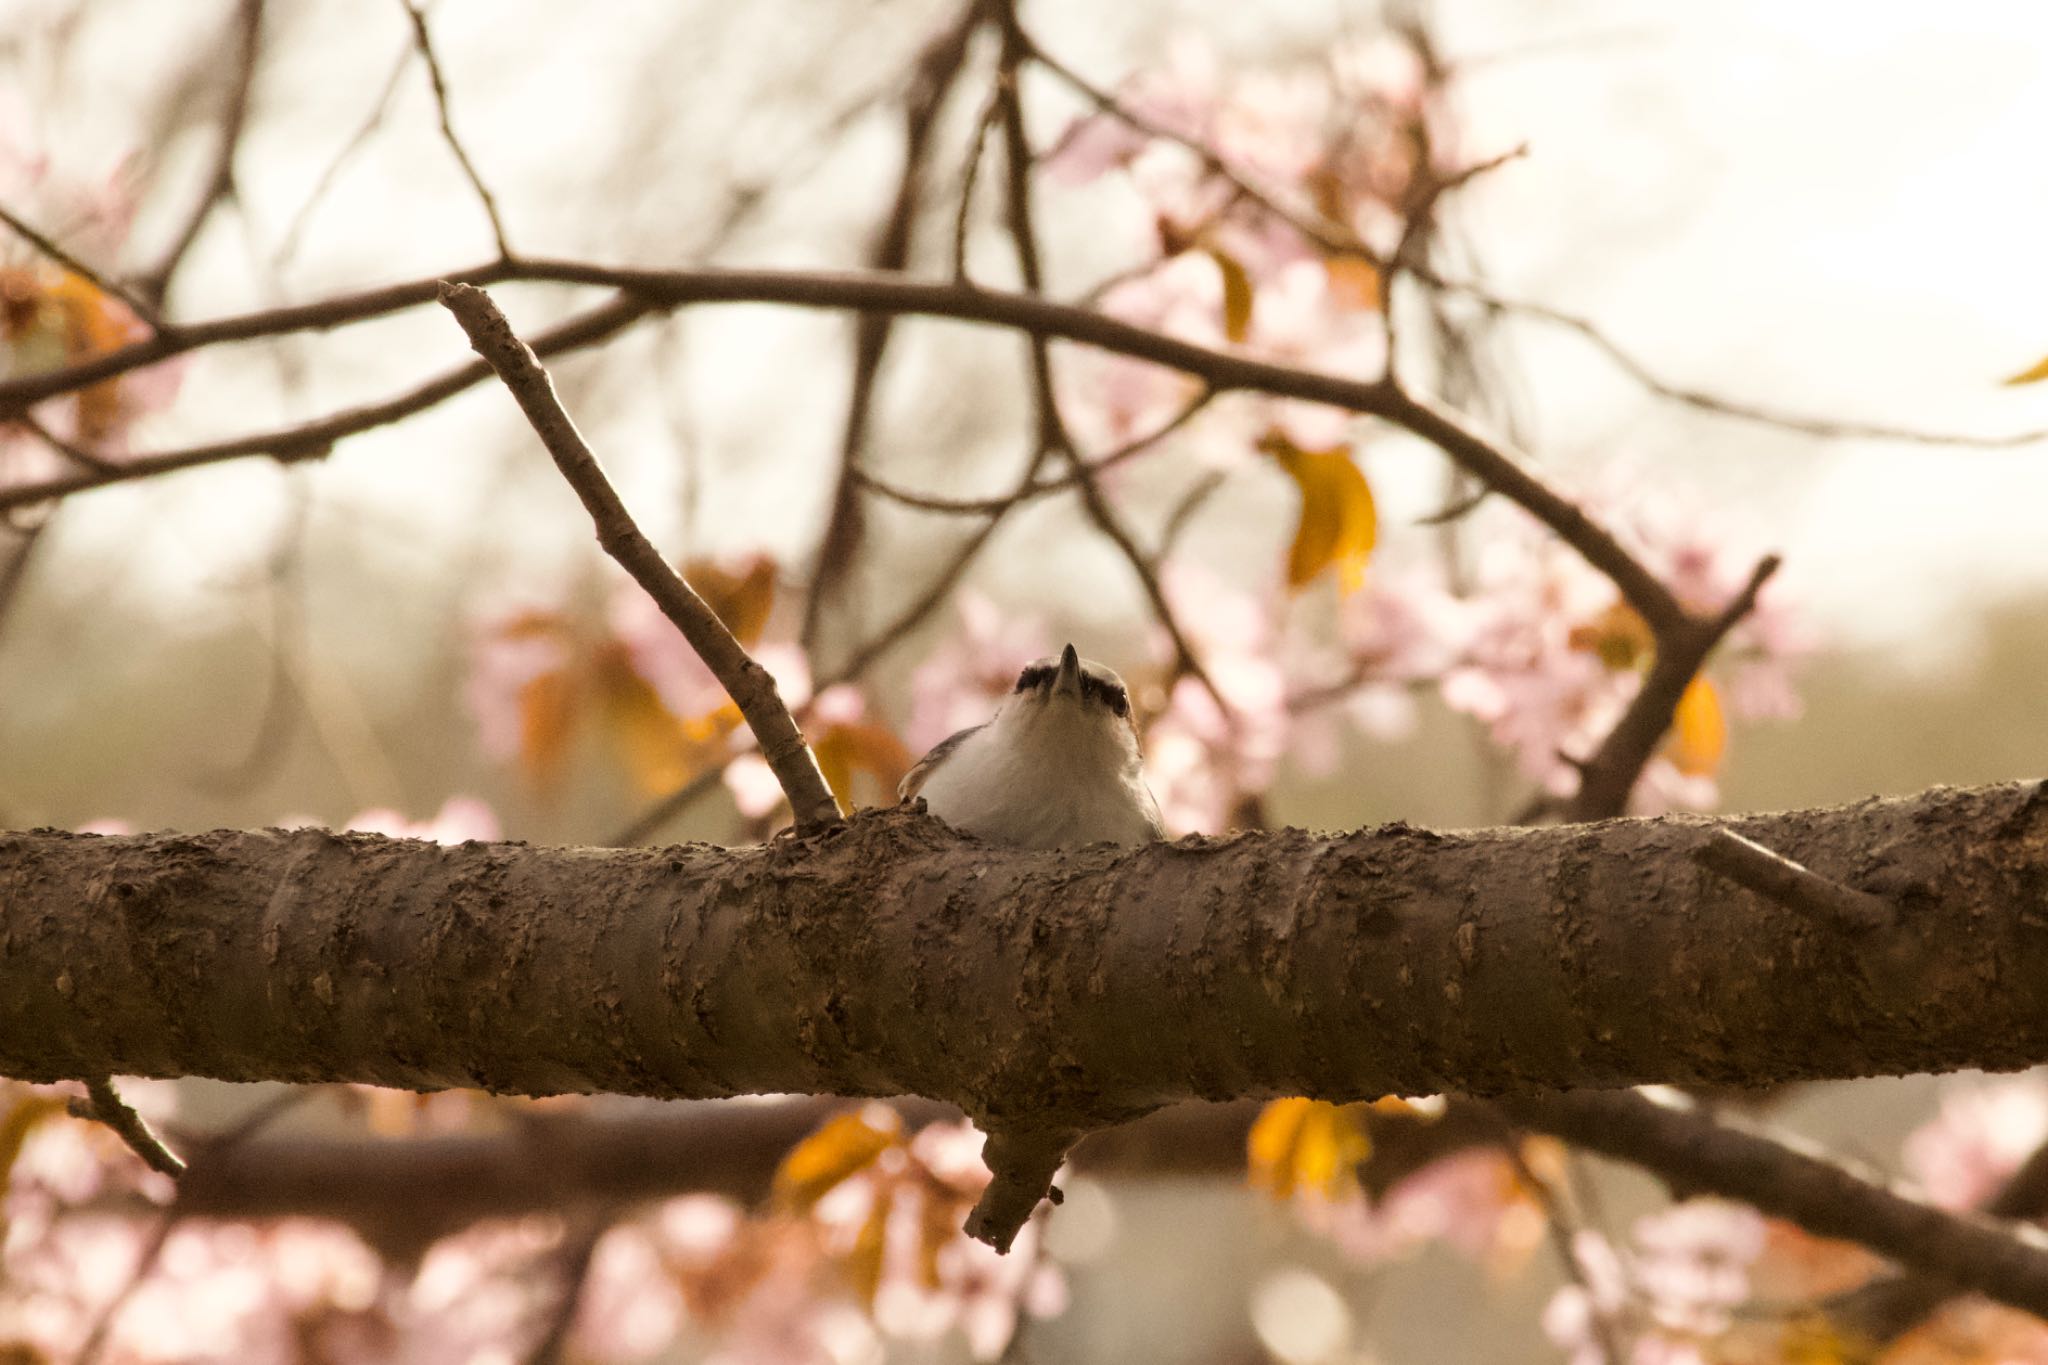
pixel 750 686
pixel 1065 989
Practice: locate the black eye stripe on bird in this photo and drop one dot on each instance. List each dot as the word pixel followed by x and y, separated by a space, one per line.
pixel 1058 764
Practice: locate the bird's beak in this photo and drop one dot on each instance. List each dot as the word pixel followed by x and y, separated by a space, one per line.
pixel 1068 680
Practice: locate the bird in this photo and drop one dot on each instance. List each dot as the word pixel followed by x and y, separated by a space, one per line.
pixel 1058 764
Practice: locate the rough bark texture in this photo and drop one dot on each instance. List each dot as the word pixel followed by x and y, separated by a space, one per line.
pixel 1040 990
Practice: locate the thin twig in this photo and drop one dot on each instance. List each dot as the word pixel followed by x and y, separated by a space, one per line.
pixel 1053 433
pixel 1790 884
pixel 1804 424
pixel 425 45
pixel 288 244
pixel 1786 1177
pixel 66 261
pixel 750 686
pixel 1561 1226
pixel 1331 236
pixel 932 78
pixel 914 614
pixel 103 1104
pixel 314 440
pixel 573 1259
pixel 220 182
pixel 970 174
pixel 1137 445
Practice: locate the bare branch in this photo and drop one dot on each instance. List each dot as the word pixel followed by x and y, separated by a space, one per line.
pixel 314 440
pixel 1683 645
pixel 220 183
pixel 750 686
pixel 425 46
pixel 1788 1178
pixel 932 78
pixel 103 1104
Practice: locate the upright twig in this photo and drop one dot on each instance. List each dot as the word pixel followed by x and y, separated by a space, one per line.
pixel 425 45
pixel 1052 428
pixel 750 686
pixel 932 79
pixel 155 282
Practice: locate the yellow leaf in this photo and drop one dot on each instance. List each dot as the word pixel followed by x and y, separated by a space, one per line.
pixel 740 598
pixel 1298 1143
pixel 547 713
pixel 1237 295
pixel 1354 281
pixel 28 1111
pixel 844 750
pixel 1699 730
pixel 1811 1339
pixel 1618 635
pixel 2033 374
pixel 661 752
pixel 845 1146
pixel 1339 523
pixel 863 1263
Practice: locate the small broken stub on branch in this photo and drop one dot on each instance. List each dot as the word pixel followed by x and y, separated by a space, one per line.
pixel 1021 1162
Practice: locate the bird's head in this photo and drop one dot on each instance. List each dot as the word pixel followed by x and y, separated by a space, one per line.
pixel 1074 703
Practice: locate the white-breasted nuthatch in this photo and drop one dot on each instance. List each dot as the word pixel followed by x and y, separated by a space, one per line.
pixel 1057 764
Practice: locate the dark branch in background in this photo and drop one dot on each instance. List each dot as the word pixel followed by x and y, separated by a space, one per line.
pixel 1885 1310
pixel 403 1194
pixel 155 282
pixel 1052 428
pixel 1784 1177
pixel 932 79
pixel 750 686
pixel 65 260
pixel 103 1104
pixel 425 46
pixel 1682 646
pixel 314 440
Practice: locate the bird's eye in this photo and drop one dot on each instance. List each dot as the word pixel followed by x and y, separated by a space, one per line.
pixel 1035 676
pixel 1119 701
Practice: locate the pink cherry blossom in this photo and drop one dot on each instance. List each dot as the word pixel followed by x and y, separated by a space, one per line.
pixel 1979 1136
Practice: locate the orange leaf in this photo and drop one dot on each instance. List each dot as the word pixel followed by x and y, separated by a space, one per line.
pixel 937 1225
pixel 1237 295
pixel 1699 730
pixel 2033 374
pixel 741 599
pixel 547 715
pixel 843 1147
pixel 659 751
pixel 1354 281
pixel 844 750
pixel 1339 523
pixel 1299 1143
